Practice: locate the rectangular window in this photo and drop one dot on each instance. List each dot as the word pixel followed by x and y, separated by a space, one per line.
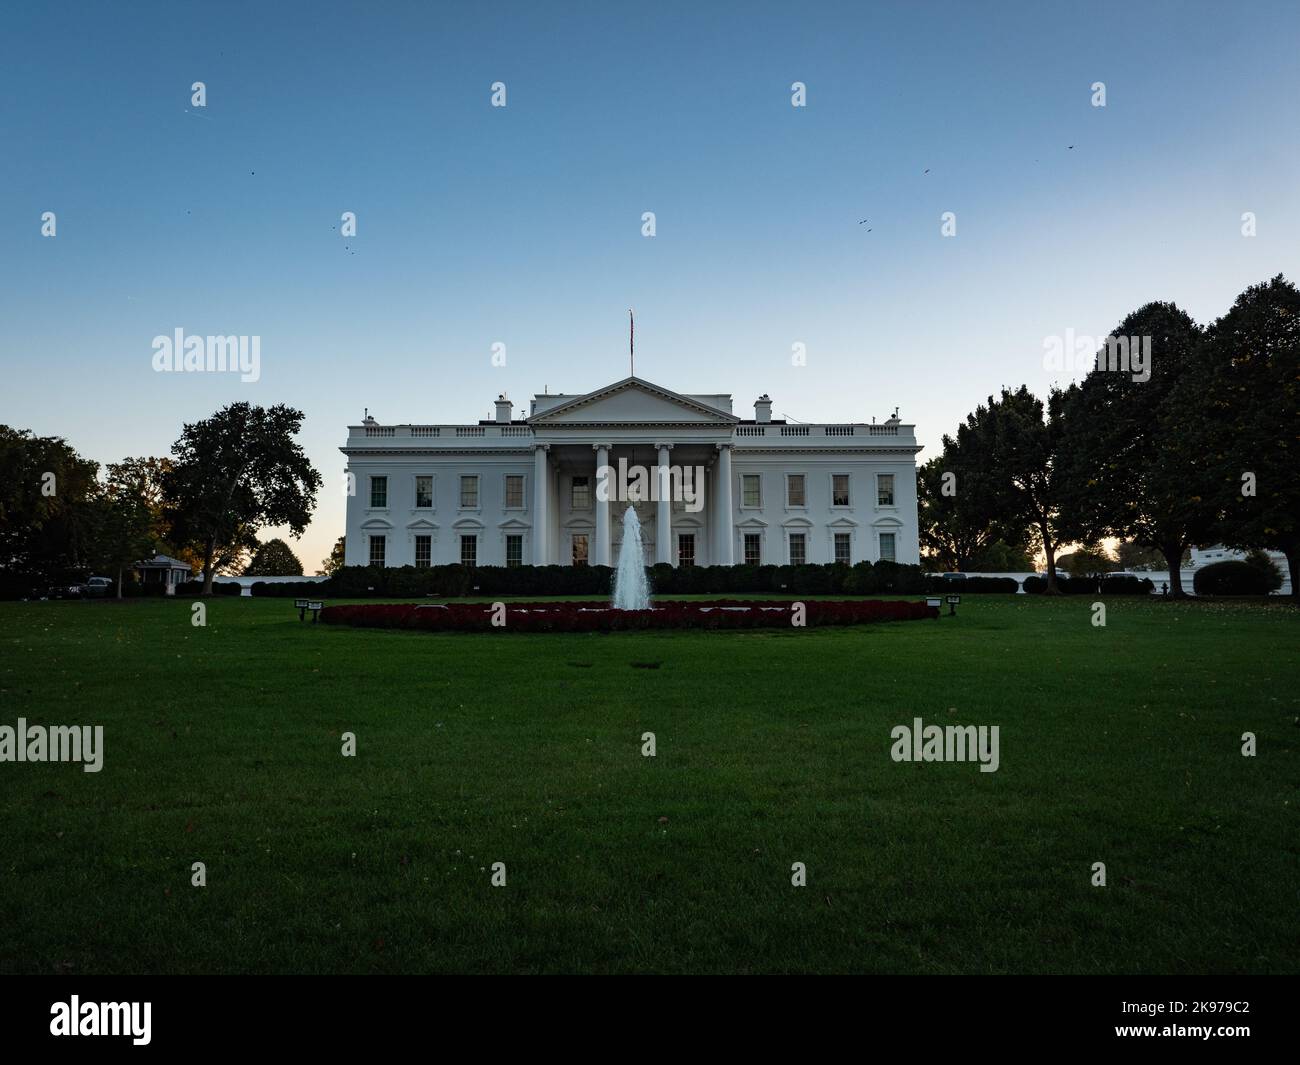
pixel 753 549
pixel 750 493
pixel 886 547
pixel 514 491
pixel 885 489
pixel 686 549
pixel 423 493
pixel 579 549
pixel 842 548
pixel 514 551
pixel 839 489
pixel 423 551
pixel 378 547
pixel 580 494
pixel 379 491
pixel 469 550
pixel 798 549
pixel 794 493
pixel 468 493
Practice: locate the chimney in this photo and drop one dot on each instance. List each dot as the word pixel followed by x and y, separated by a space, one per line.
pixel 763 409
pixel 504 410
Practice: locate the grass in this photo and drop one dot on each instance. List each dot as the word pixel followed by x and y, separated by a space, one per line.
pixel 1119 744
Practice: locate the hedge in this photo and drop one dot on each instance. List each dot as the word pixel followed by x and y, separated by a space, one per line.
pixel 1232 578
pixel 1091 585
pixel 939 585
pixel 290 589
pixel 456 581
pixel 599 617
pixel 218 588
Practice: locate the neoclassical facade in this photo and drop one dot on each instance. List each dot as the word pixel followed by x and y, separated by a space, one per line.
pixel 531 491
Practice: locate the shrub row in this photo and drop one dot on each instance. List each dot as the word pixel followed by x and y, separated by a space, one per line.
pixel 218 588
pixel 598 617
pixel 457 581
pixel 1092 585
pixel 291 589
pixel 936 585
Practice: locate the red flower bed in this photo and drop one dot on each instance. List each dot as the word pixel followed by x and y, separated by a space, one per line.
pixel 599 617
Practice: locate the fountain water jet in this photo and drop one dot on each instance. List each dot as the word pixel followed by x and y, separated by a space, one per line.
pixel 631 589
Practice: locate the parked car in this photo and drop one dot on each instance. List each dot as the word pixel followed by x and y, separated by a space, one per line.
pixel 90 588
pixel 97 588
pixel 954 576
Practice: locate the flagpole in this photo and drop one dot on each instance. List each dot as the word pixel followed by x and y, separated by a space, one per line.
pixel 631 340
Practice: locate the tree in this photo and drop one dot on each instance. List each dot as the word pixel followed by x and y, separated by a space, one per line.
pixel 1240 419
pixel 1086 562
pixel 954 530
pixel 236 472
pixel 274 559
pixel 1261 561
pixel 45 513
pixel 1002 557
pixel 123 527
pixel 1009 455
pixel 1134 556
pixel 336 560
pixel 143 479
pixel 1124 472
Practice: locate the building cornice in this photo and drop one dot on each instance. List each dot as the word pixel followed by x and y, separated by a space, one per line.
pixel 738 452
pixel 477 452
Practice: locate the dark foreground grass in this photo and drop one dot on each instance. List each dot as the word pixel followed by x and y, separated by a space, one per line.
pixel 1118 744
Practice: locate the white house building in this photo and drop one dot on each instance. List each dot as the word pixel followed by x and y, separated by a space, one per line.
pixel 517 491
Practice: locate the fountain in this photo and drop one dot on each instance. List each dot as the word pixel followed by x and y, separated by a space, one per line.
pixel 631 589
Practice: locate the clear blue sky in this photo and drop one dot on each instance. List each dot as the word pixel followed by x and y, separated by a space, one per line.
pixel 523 225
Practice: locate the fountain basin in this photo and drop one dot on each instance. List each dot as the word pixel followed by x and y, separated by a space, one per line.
pixel 601 617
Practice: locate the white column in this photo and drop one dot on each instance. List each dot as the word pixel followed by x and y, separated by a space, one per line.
pixel 664 511
pixel 605 487
pixel 726 529
pixel 541 504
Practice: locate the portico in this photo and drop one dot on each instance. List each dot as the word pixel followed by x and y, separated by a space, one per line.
pixel 583 489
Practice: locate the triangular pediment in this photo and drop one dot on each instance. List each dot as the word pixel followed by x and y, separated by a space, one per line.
pixel 632 401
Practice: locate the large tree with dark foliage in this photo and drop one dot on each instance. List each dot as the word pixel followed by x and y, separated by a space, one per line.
pixel 274 559
pixel 46 490
pixel 236 472
pixel 956 531
pixel 1010 458
pixel 1240 425
pixel 1124 471
pixel 123 525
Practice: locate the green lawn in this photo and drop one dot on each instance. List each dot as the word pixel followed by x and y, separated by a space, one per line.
pixel 222 744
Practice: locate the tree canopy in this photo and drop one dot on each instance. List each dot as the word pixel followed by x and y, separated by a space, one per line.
pixel 274 559
pixel 236 472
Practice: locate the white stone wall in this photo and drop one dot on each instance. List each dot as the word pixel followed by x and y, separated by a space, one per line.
pixel 446 521
pixel 490 522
